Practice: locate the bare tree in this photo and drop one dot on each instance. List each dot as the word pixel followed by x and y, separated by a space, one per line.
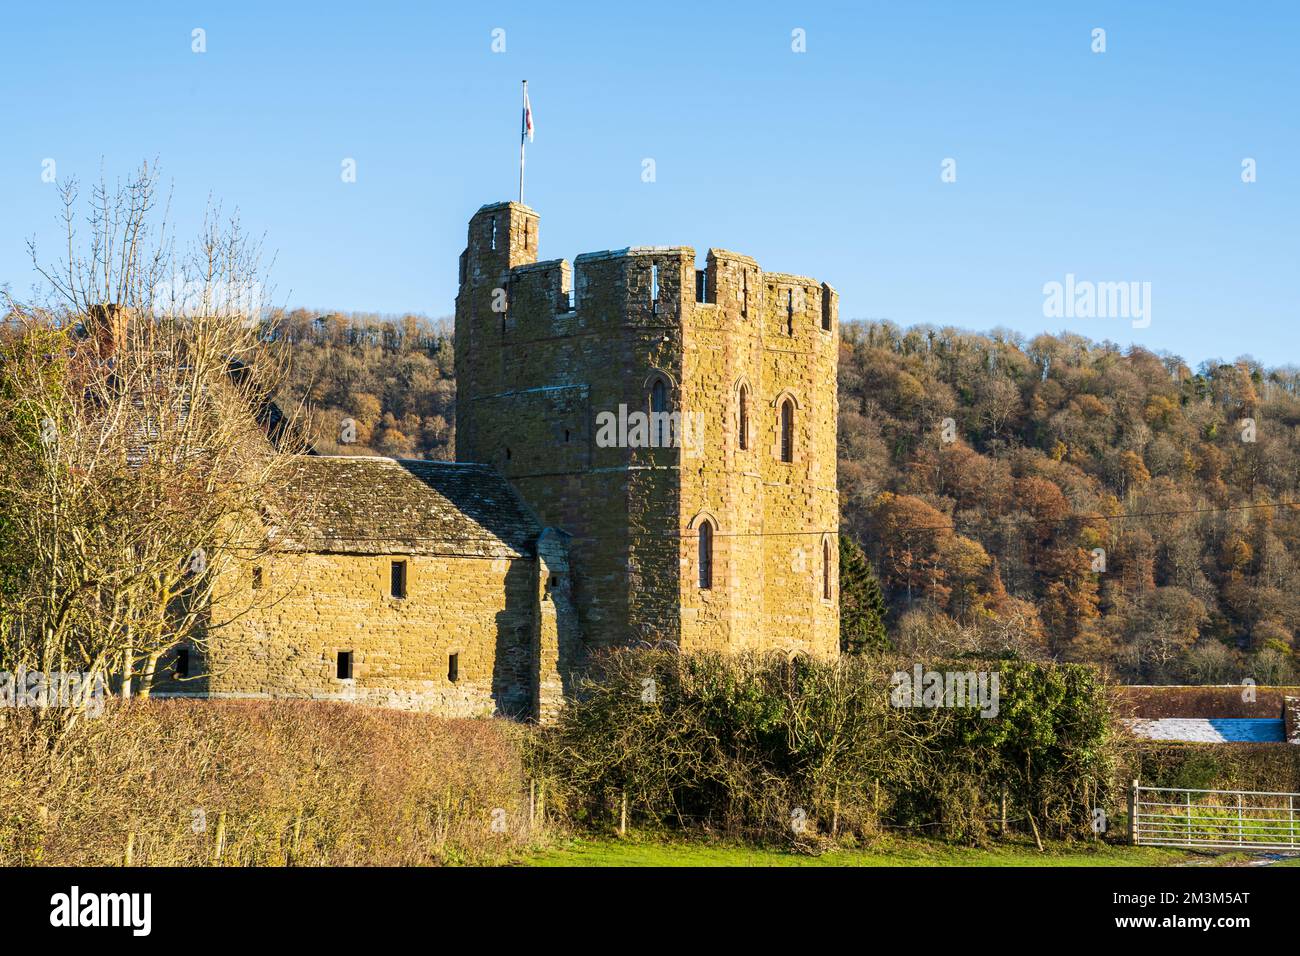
pixel 139 444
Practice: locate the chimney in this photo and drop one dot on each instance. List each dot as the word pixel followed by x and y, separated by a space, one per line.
pixel 106 325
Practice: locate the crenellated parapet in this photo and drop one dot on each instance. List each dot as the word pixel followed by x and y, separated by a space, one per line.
pixel 554 361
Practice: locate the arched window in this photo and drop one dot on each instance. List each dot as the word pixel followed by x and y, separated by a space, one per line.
pixel 744 417
pixel 826 569
pixel 660 427
pixel 706 555
pixel 787 430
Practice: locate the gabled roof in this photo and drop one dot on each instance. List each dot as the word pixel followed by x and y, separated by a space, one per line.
pixel 371 505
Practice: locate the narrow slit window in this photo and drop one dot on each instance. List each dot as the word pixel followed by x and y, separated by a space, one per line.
pixel 453 667
pixel 826 570
pixel 397 579
pixel 706 555
pixel 744 418
pixel 826 311
pixel 660 423
pixel 182 668
pixel 343 668
pixel 654 288
pixel 789 312
pixel 494 233
pixel 787 430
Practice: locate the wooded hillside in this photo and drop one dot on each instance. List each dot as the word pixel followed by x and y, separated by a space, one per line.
pixel 1054 497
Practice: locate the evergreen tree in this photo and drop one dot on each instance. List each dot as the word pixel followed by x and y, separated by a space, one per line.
pixel 862 605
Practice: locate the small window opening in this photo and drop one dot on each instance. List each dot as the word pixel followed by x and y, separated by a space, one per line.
pixel 507 454
pixel 654 289
pixel 826 311
pixel 257 579
pixel 706 555
pixel 453 667
pixel 566 435
pixel 789 311
pixel 826 570
pixel 398 579
pixel 661 426
pixel 744 293
pixel 344 666
pixel 787 430
pixel 744 417
pixel 182 668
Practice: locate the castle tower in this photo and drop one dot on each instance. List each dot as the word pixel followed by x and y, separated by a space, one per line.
pixel 678 423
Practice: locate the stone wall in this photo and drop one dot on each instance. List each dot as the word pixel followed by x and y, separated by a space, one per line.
pixel 543 349
pixel 312 606
pixel 760 337
pixel 606 551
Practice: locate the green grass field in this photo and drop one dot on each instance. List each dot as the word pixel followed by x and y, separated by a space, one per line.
pixel 888 852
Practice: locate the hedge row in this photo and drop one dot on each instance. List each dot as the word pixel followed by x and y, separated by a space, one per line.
pixel 796 750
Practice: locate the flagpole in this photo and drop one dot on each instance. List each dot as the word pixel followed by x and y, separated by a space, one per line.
pixel 523 132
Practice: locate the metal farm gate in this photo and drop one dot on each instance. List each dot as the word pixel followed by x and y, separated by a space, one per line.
pixel 1214 819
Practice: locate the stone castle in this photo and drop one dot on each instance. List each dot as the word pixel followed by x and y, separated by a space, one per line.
pixel 645 456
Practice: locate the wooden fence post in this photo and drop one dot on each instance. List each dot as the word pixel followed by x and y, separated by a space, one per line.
pixel 1133 804
pixel 622 814
pixel 221 838
pixel 1090 787
pixel 297 834
pixel 1002 812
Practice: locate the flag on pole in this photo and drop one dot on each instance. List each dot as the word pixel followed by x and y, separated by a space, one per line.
pixel 525 136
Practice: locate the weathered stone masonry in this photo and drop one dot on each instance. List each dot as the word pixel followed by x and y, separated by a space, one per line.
pixel 540 544
pixel 474 630
pixel 542 348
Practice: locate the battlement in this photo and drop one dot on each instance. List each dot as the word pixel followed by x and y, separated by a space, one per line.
pixel 660 283
pixel 643 400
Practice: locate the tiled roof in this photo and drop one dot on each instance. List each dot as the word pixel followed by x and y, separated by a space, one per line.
pixel 1209 730
pixel 370 505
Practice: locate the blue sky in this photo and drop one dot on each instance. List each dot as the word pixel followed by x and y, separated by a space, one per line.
pixel 1115 166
